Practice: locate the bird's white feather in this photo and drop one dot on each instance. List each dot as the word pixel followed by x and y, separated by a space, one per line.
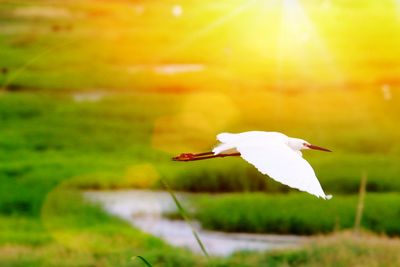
pixel 221 148
pixel 271 155
pixel 227 140
pixel 226 137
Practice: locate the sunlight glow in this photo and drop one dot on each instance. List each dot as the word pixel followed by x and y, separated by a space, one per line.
pixel 386 92
pixel 300 49
pixel 177 11
pixel 210 27
pixel 259 44
pixel 201 117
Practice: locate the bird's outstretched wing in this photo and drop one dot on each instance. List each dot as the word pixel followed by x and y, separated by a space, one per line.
pixel 282 164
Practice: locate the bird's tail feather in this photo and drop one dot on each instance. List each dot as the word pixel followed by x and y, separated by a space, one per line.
pixel 225 137
pixel 221 148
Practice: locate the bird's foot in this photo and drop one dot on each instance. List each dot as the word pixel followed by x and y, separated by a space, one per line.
pixel 184 156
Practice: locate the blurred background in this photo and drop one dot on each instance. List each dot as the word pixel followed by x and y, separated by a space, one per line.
pixel 98 96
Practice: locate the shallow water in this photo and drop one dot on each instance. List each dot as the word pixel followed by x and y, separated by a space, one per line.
pixel 94 96
pixel 144 209
pixel 167 69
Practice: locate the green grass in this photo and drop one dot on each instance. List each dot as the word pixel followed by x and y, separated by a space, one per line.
pixel 341 249
pixel 48 138
pixel 69 232
pixel 295 213
pixel 44 141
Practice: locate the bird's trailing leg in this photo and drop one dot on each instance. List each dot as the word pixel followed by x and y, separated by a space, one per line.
pixel 189 156
pixel 201 156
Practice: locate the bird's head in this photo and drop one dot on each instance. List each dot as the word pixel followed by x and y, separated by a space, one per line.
pixel 299 144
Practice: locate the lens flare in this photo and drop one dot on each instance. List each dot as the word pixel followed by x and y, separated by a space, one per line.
pixel 140 176
pixel 209 27
pixel 202 116
pixel 301 50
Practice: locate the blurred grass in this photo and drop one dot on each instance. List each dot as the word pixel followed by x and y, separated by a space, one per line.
pixel 296 213
pixel 135 36
pixel 343 249
pixel 72 233
pixel 46 138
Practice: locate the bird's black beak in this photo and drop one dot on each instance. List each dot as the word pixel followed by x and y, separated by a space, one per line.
pixel 318 148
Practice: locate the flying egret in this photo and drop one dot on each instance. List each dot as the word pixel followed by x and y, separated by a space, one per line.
pixel 272 153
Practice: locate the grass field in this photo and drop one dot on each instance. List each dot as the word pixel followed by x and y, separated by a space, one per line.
pixel 70 232
pixel 48 138
pixel 295 213
pixel 45 150
pixel 100 95
pixel 25 242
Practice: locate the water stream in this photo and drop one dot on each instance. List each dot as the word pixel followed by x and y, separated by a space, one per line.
pixel 144 210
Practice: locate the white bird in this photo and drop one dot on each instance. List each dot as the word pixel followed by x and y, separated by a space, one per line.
pixel 272 153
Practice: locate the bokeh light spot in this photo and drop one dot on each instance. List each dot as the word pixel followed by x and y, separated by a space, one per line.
pixel 177 11
pixel 141 176
pixel 202 116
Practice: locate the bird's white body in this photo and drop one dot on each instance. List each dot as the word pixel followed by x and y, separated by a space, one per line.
pixel 275 155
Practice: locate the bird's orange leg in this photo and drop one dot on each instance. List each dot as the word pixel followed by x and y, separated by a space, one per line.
pixel 185 156
pixel 201 156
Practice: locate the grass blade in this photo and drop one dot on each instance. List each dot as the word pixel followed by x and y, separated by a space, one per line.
pixel 186 218
pixel 12 76
pixel 143 260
